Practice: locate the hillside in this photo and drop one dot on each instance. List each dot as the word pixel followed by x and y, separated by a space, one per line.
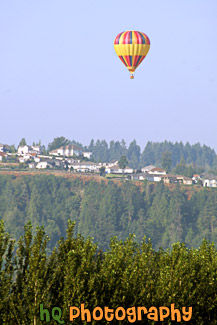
pixel 103 209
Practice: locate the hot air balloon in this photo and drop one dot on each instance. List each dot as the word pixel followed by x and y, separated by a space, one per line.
pixel 131 47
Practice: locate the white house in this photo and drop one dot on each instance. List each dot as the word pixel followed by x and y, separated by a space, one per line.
pixel 185 180
pixel 54 152
pixel 36 149
pixel 43 165
pixel 115 169
pixel 22 150
pixel 37 159
pixel 157 171
pixel 87 154
pixel 140 176
pixel 147 168
pixel 85 167
pixel 24 157
pixel 210 181
pixel 68 151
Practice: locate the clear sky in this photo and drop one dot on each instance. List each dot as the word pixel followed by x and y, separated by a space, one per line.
pixel 60 75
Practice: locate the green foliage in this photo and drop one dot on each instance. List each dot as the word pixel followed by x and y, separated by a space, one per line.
pixel 196 154
pixel 102 171
pixel 102 210
pixel 166 161
pixel 123 162
pixel 57 143
pixel 22 142
pixel 127 274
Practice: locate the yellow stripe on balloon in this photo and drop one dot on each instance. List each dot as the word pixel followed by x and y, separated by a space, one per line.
pixel 131 49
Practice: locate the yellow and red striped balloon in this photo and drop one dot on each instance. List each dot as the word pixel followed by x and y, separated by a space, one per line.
pixel 131 47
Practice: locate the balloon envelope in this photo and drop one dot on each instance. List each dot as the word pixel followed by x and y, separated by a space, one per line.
pixel 131 47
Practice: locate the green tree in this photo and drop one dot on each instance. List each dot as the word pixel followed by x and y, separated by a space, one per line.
pixel 123 162
pixel 57 143
pixel 166 160
pixel 133 155
pixel 6 272
pixel 22 142
pixel 102 171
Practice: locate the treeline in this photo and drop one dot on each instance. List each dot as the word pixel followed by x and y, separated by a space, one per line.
pixel 153 153
pixel 163 154
pixel 168 155
pixel 105 209
pixel 127 275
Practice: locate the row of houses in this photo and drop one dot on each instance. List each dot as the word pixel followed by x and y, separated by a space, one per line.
pixel 205 179
pixel 64 151
pixel 62 158
pixel 152 173
pixel 166 178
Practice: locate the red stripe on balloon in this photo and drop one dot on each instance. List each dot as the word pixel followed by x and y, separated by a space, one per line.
pixel 139 38
pixel 125 38
pixel 117 38
pixel 127 58
pixel 140 61
pixel 136 58
pixel 120 57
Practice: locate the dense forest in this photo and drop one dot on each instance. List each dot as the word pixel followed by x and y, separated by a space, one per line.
pixel 103 209
pixel 177 285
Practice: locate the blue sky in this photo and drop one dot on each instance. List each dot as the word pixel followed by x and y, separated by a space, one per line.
pixel 60 76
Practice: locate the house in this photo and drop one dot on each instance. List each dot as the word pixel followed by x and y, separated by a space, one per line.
pixel 172 179
pixel 85 167
pixel 68 151
pixel 147 168
pixel 44 165
pixel 87 154
pixel 22 150
pixel 157 171
pixel 24 158
pixel 115 169
pixel 184 180
pixel 36 149
pixel 154 177
pixel 209 181
pixel 37 159
pixel 54 152
pixel 128 170
pixel 141 177
pixel 169 179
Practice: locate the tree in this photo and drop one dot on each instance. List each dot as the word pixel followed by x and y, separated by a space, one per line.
pixel 133 154
pixel 57 143
pixel 102 171
pixel 123 162
pixel 22 142
pixel 166 160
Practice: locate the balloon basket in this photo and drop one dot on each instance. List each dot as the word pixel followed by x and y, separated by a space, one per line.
pixel 131 76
